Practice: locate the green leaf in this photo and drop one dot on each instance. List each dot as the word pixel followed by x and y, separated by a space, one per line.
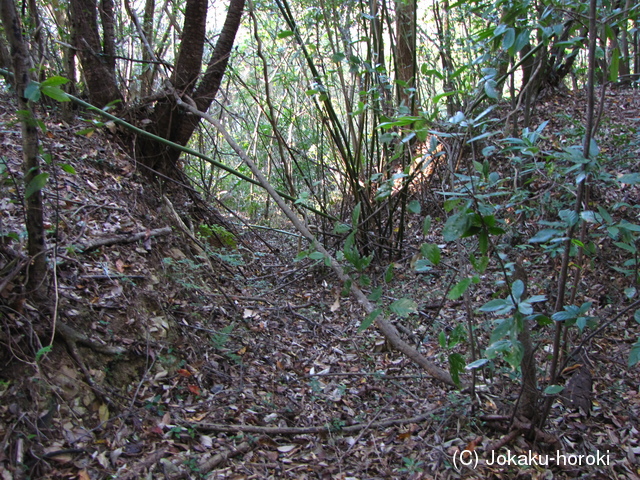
pixel 456 226
pixel 338 57
pixel 503 328
pixel 404 307
pixel 375 294
pixel 482 136
pixel 42 352
pixel 562 316
pixel 553 389
pixel 477 364
pixel 634 355
pixel 629 179
pixel 501 346
pixel 594 150
pixel 346 288
pixel 426 225
pixel 545 235
pixel 369 319
pixel 494 305
pixel 423 265
pixel 68 168
pixel 458 290
pixel 542 320
pixel 614 65
pixel 342 228
pixel 56 93
pixel 636 316
pixel 86 131
pixel 456 366
pixel 517 289
pixel 285 34
pixel 536 298
pixel 388 273
pixel 480 265
pixel 431 252
pixel 55 81
pixel 303 254
pixel 36 184
pixel 570 216
pixel 32 92
pixel 525 308
pixel 316 256
pixel 629 247
pixel 522 40
pixel 490 89
pixel 509 38
pixel 483 242
pixel 355 216
pixel 629 226
pixel 442 339
pixel 414 206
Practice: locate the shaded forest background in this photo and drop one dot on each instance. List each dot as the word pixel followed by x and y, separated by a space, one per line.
pixel 328 240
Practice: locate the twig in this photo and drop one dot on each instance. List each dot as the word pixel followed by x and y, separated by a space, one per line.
pixel 102 242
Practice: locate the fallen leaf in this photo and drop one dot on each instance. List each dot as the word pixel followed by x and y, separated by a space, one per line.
pixel 103 413
pixel 286 448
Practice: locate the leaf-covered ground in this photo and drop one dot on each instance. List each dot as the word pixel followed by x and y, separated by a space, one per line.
pixel 250 365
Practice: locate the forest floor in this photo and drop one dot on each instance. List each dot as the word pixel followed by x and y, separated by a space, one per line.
pixel 250 365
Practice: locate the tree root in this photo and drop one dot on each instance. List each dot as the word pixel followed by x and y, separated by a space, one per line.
pixel 72 338
pixel 522 427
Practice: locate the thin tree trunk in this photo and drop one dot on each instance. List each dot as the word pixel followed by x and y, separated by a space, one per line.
pixel 96 66
pixel 35 230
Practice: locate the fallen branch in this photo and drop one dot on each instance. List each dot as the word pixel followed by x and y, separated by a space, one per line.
pixel 135 470
pixel 209 464
pixel 388 330
pixel 214 427
pixel 120 239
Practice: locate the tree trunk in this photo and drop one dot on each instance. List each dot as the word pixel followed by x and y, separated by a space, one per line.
pixel 97 66
pixel 170 122
pixel 34 221
pixel 405 53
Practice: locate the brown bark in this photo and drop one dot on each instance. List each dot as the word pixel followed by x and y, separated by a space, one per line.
pixel 528 403
pixel 109 32
pixel 34 215
pixel 5 59
pixel 405 52
pixel 148 75
pixel 173 123
pixel 98 72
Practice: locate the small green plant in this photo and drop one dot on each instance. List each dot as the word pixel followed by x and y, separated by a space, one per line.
pixel 217 233
pixel 220 339
pixel 154 405
pixel 411 465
